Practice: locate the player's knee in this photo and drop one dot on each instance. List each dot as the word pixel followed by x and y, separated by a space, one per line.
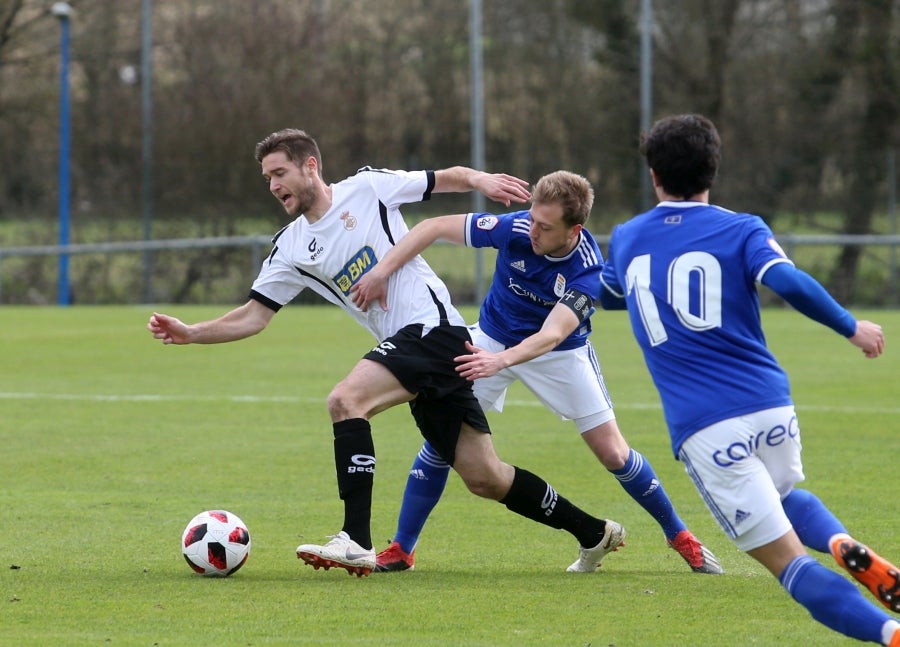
pixel 608 445
pixel 340 403
pixel 485 488
pixel 613 458
pixel 485 482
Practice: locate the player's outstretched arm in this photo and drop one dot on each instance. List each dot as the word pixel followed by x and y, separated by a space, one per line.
pixel 558 325
pixel 808 296
pixel 499 187
pixel 372 286
pixel 239 323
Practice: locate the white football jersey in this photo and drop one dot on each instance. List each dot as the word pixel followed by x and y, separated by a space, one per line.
pixel 331 254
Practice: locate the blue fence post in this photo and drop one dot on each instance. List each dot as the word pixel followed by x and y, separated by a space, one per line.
pixel 62 10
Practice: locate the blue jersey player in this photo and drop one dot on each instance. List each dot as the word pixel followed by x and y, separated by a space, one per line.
pixel 533 327
pixel 687 272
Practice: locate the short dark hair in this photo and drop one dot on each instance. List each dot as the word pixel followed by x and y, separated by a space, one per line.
pixel 293 142
pixel 684 153
pixel 570 191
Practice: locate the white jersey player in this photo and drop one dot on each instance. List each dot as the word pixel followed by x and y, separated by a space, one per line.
pixel 341 232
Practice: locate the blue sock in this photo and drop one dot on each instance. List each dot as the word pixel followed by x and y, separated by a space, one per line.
pixel 639 480
pixel 424 486
pixel 833 600
pixel 814 523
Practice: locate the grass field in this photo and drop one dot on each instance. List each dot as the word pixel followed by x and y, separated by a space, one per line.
pixel 111 442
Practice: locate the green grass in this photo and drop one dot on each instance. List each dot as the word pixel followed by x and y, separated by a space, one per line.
pixel 112 442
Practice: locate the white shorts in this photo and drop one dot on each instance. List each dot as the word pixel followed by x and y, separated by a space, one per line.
pixel 743 468
pixel 568 382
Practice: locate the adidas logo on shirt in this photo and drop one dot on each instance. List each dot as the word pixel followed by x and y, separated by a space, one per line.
pixel 518 265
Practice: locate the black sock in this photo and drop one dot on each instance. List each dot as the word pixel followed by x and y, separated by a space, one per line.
pixel 534 498
pixel 354 461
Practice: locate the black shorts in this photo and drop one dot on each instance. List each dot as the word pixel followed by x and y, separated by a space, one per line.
pixel 424 365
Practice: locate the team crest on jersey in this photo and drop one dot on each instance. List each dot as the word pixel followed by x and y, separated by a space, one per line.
pixel 486 222
pixel 349 221
pixel 361 262
pixel 559 287
pixel 774 245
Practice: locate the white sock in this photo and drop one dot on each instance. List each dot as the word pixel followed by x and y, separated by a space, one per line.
pixel 839 535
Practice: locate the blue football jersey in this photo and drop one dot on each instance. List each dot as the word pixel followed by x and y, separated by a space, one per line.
pixel 688 272
pixel 526 286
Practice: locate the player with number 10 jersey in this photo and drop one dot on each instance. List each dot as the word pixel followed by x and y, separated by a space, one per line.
pixel 683 301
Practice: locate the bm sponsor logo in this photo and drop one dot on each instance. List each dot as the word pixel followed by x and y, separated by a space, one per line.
pixel 361 262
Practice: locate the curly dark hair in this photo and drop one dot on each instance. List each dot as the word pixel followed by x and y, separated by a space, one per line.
pixel 684 153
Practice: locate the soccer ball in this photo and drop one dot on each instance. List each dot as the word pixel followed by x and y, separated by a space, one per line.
pixel 216 542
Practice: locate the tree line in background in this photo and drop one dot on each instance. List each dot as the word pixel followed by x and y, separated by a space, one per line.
pixel 806 94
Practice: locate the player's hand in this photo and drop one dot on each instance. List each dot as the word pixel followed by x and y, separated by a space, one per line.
pixel 168 329
pixel 869 337
pixel 502 188
pixel 480 363
pixel 370 287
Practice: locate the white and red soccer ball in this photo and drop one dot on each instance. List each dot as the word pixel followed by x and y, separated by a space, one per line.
pixel 216 543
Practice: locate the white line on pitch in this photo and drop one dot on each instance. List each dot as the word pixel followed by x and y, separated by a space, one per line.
pixel 254 399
